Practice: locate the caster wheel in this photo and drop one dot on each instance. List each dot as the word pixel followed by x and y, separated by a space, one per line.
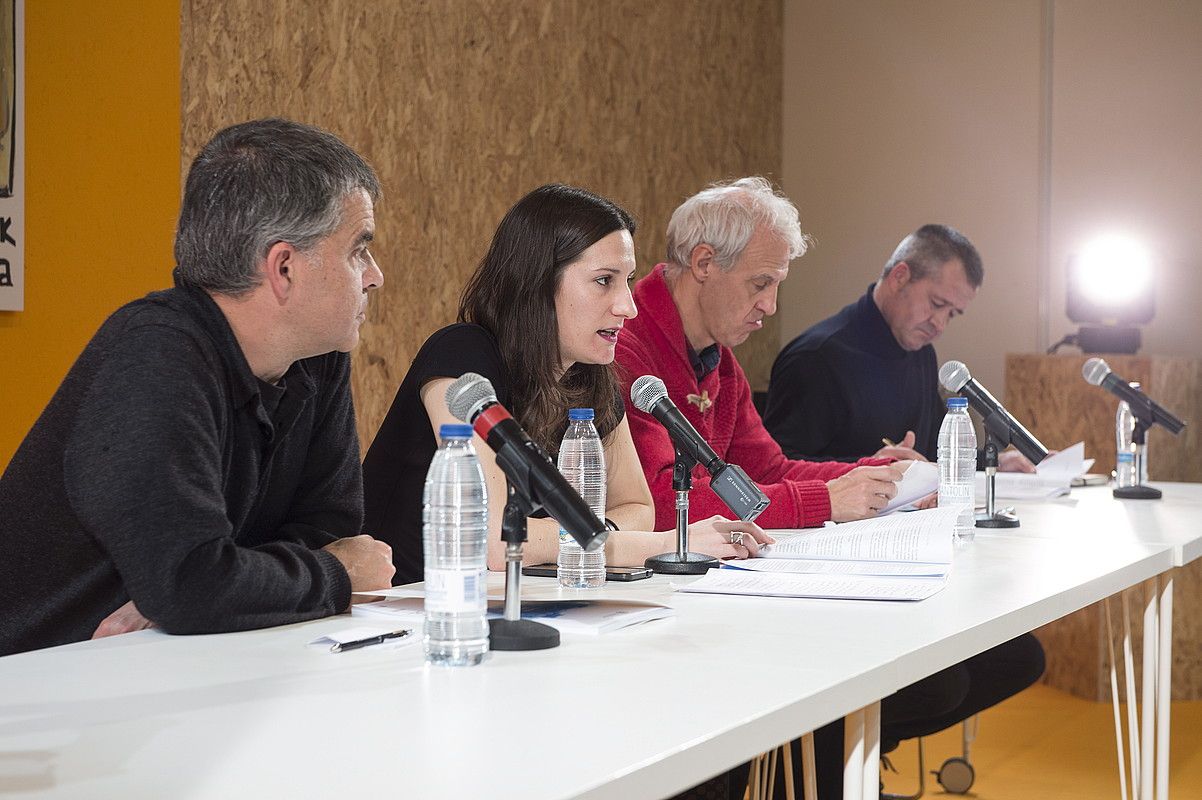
pixel 956 775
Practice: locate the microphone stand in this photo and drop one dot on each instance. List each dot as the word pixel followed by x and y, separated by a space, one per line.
pixel 682 562
pixel 512 632
pixel 992 518
pixel 1138 491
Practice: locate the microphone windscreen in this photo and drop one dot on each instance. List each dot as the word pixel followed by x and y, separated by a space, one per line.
pixel 953 375
pixel 1095 371
pixel 468 395
pixel 646 392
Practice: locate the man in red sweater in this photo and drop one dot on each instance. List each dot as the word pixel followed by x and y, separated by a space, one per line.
pixel 729 248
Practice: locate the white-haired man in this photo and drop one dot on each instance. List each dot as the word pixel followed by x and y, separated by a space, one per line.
pixel 729 248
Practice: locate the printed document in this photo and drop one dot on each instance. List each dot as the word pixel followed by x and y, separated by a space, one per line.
pixel 834 587
pixel 924 536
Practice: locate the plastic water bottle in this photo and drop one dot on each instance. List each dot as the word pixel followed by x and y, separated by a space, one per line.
pixel 582 462
pixel 455 540
pixel 1124 446
pixel 958 466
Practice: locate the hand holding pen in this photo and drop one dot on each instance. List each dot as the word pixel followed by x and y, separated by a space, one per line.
pixel 342 647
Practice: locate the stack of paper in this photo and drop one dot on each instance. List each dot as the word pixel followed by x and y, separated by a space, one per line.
pixel 831 587
pixel 568 616
pixel 1052 477
pixel 900 557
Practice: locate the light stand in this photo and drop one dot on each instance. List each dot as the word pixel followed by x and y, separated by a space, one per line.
pixel 1138 438
pixel 992 518
pixel 682 562
pixel 512 632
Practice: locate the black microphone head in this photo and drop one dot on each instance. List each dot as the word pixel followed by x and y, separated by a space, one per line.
pixel 1095 371
pixel 953 375
pixel 468 396
pixel 646 392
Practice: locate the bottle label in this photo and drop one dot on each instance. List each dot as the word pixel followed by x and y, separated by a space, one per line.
pixel 454 591
pixel 1126 458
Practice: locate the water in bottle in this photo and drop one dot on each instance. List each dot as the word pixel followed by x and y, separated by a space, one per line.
pixel 454 537
pixel 958 466
pixel 582 462
pixel 1124 447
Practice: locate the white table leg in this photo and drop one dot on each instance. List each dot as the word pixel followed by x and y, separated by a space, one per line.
pixel 1114 698
pixel 1164 687
pixel 807 767
pixel 872 752
pixel 1148 725
pixel 1132 701
pixel 853 756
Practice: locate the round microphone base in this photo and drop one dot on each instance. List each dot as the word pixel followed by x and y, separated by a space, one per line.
pixel 672 564
pixel 1000 519
pixel 521 634
pixel 1139 492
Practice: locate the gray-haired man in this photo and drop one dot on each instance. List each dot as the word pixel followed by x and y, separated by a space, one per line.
pixel 198 468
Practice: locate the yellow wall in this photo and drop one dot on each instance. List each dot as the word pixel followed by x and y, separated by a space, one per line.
pixel 102 176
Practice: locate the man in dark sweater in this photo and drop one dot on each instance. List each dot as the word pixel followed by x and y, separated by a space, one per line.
pixel 198 469
pixel 869 373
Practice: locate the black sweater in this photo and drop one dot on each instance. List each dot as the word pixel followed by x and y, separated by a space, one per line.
pixel 844 384
pixel 156 474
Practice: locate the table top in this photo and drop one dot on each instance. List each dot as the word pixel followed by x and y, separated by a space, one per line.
pixel 641 712
pixel 1093 514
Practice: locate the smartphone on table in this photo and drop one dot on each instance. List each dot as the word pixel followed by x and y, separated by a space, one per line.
pixel 611 573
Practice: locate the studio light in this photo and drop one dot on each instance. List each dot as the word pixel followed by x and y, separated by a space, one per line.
pixel 1109 293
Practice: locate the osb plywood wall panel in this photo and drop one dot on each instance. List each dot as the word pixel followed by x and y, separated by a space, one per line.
pixel 1049 395
pixel 464 105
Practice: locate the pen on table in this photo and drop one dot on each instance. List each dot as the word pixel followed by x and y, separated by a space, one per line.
pixel 342 647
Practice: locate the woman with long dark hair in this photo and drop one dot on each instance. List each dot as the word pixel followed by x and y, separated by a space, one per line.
pixel 539 318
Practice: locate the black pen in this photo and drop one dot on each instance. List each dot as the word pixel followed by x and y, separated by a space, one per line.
pixel 342 647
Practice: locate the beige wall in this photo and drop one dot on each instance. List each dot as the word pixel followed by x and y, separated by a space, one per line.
pixel 899 113
pixel 1127 150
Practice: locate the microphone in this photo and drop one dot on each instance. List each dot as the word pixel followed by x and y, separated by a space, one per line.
pixel 729 481
pixel 1098 372
pixel 471 398
pixel 1005 429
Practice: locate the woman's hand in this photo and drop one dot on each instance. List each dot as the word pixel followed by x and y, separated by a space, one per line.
pixel 714 536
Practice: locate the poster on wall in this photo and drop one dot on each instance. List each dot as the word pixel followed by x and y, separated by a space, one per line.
pixel 12 155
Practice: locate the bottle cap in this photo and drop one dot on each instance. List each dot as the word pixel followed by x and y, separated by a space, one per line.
pixel 456 431
pixel 957 402
pixel 580 414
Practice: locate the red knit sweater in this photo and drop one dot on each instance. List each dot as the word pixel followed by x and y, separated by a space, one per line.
pixel 653 343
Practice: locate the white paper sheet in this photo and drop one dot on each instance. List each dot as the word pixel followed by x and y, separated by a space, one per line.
pixel 920 479
pixel 921 536
pixel 835 587
pixel 1052 477
pixel 826 566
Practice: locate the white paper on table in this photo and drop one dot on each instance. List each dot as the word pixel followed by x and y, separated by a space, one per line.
pixel 921 536
pixel 835 587
pixel 920 479
pixel 827 566
pixel 1052 477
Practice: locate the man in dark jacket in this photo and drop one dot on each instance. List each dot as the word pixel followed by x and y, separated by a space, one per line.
pixel 198 468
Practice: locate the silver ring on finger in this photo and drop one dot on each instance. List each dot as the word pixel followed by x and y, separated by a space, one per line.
pixel 736 538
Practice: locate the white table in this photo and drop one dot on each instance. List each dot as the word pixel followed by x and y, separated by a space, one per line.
pixel 261 714
pixel 1091 517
